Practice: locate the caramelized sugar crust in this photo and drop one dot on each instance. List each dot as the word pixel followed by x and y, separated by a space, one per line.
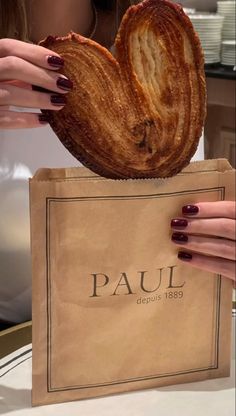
pixel 139 114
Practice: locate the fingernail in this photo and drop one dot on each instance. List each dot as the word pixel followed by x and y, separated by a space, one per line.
pixel 43 118
pixel 190 210
pixel 182 255
pixel 179 237
pixel 58 100
pixel 64 84
pixel 55 61
pixel 180 223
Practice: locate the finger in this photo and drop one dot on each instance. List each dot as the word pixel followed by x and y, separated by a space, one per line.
pixel 217 247
pixel 20 120
pixel 211 264
pixel 16 68
pixel 20 84
pixel 35 54
pixel 218 209
pixel 11 95
pixel 219 227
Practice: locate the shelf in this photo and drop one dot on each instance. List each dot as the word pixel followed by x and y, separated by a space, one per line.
pixel 220 71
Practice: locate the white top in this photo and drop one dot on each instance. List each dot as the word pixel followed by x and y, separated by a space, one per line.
pixel 22 152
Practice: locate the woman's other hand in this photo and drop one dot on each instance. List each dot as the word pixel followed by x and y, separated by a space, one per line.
pixel 29 79
pixel 206 236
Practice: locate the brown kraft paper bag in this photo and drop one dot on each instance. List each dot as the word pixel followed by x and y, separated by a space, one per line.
pixel 113 308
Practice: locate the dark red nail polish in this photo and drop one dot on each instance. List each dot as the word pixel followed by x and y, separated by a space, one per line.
pixel 58 100
pixel 55 61
pixel 43 118
pixel 182 255
pixel 190 210
pixel 64 84
pixel 180 223
pixel 179 238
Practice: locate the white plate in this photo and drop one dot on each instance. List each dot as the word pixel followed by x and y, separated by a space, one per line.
pixel 225 10
pixel 225 7
pixel 209 23
pixel 215 40
pixel 226 59
pixel 229 42
pixel 210 38
pixel 229 25
pixel 210 31
pixel 229 58
pixel 211 44
pixel 228 36
pixel 207 16
pixel 212 62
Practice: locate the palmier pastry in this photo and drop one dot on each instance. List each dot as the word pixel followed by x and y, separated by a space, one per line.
pixel 139 114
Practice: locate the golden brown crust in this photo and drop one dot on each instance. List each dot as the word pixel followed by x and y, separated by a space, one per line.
pixel 139 115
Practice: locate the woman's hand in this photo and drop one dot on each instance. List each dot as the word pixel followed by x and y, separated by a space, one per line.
pixel 23 67
pixel 206 235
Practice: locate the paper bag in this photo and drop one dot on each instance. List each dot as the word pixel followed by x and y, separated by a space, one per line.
pixel 113 308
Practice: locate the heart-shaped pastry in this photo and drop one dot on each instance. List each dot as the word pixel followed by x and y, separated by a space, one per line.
pixel 139 114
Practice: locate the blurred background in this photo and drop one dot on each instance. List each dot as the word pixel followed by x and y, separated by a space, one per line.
pixel 201 5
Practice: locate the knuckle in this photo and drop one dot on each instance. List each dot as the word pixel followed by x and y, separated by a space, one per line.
pixel 4 95
pixel 226 251
pixel 5 46
pixel 7 65
pixel 4 119
pixel 228 227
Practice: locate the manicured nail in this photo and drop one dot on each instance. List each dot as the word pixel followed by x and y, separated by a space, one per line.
pixel 182 255
pixel 190 210
pixel 55 61
pixel 179 223
pixel 58 100
pixel 64 84
pixel 179 238
pixel 43 118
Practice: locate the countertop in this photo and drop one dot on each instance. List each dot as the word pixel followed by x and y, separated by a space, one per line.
pixel 220 71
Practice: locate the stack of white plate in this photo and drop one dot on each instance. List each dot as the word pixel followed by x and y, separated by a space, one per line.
pixel 188 11
pixel 227 10
pixel 209 28
pixel 228 53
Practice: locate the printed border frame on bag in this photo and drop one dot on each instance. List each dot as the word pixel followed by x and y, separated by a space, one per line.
pixel 49 200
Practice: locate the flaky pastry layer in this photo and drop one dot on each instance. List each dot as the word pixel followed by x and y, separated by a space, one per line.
pixel 139 114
